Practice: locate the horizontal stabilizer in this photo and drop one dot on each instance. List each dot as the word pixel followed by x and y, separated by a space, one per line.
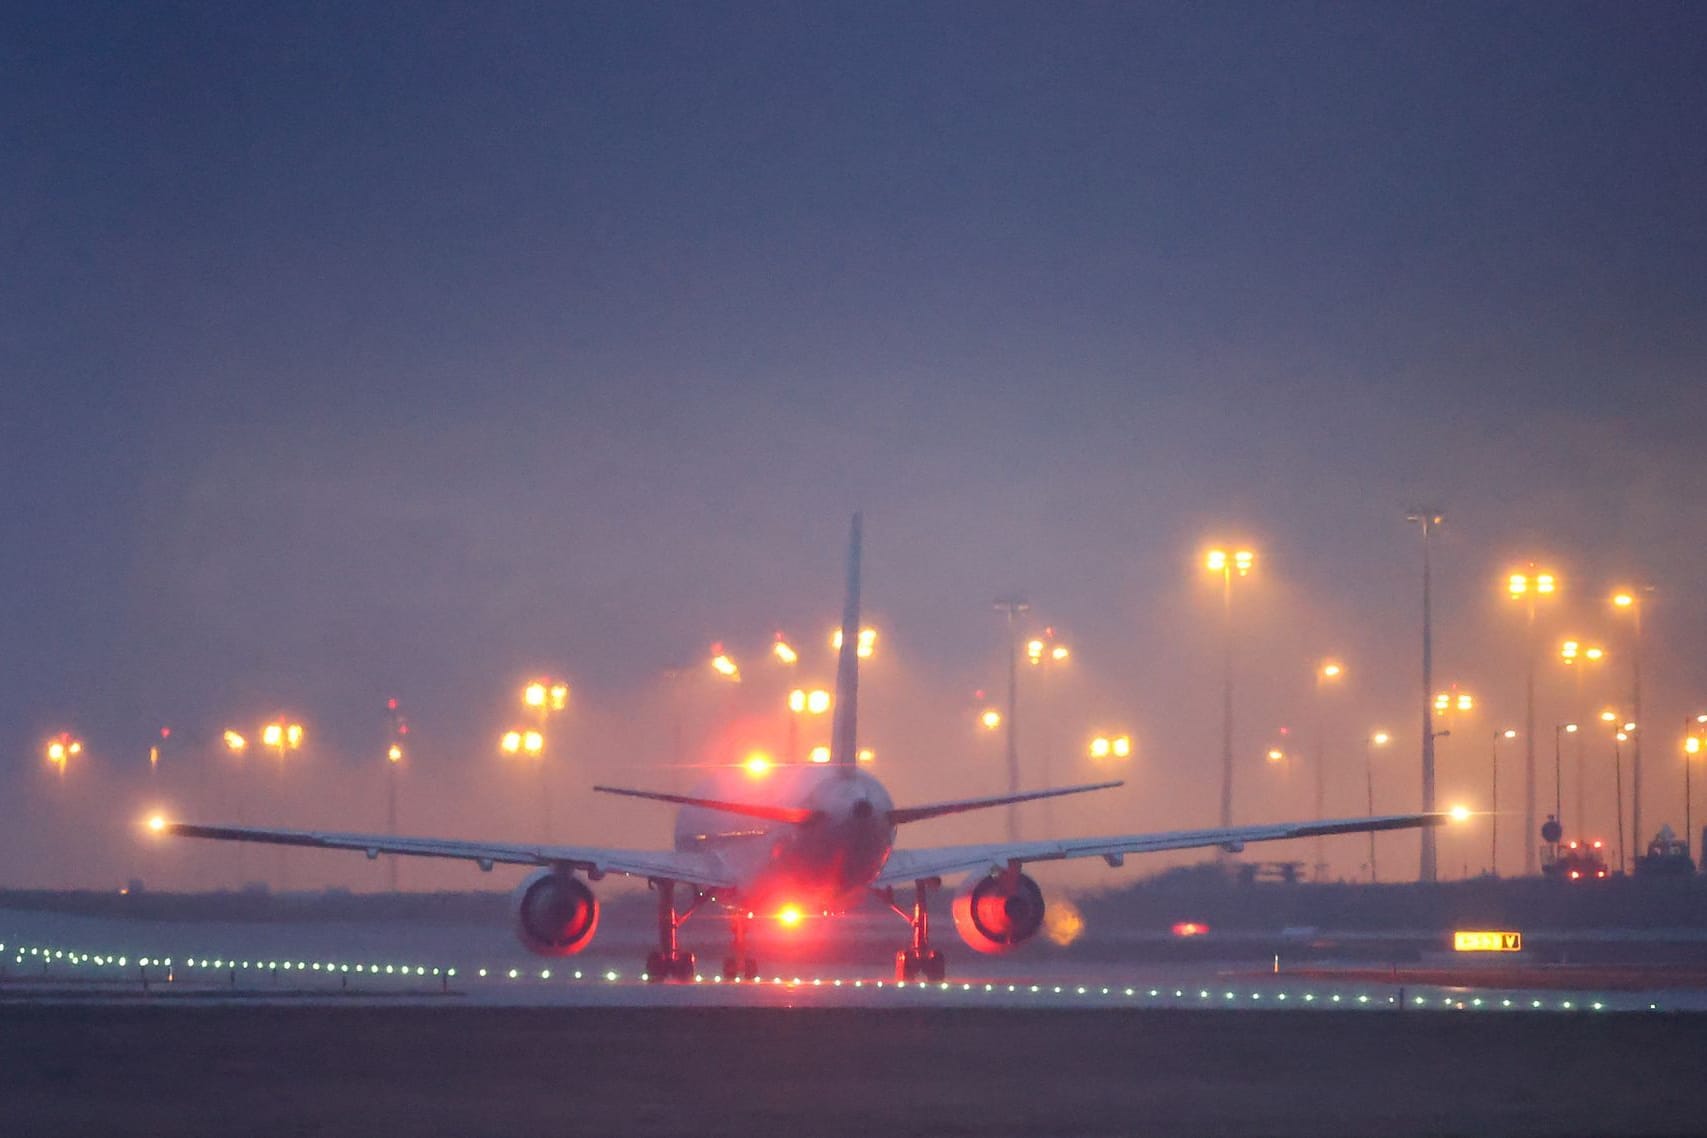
pixel 938 809
pixel 750 809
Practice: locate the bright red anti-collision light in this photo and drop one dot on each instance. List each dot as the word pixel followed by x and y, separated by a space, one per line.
pixel 1190 928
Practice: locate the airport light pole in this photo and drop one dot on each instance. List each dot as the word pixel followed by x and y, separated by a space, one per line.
pixel 1014 607
pixel 1526 587
pixel 1578 656
pixel 1630 600
pixel 1691 748
pixel 1428 520
pixel 1328 673
pixel 1227 564
pixel 1494 803
pixel 1560 730
pixel 1045 654
pixel 1451 704
pixel 1370 742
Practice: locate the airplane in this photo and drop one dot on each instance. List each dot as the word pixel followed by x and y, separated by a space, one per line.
pixel 801 838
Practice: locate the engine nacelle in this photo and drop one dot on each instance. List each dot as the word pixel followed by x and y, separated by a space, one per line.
pixel 998 912
pixel 555 913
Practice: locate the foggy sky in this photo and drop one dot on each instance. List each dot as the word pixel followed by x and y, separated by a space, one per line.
pixel 348 353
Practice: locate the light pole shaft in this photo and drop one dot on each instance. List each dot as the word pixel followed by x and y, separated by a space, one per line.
pixel 1636 714
pixel 1226 698
pixel 1529 824
pixel 1428 868
pixel 1369 792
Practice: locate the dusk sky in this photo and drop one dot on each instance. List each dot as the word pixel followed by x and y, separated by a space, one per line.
pixel 350 351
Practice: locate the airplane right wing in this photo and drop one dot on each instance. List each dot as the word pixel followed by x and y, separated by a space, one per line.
pixel 909 865
pixel 703 870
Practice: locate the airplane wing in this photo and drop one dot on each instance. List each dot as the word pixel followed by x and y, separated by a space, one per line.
pixel 700 869
pixel 909 865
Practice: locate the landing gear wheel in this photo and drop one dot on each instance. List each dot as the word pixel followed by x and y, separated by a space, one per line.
pixel 731 968
pixel 934 966
pixel 683 966
pixel 926 964
pixel 752 969
pixel 657 968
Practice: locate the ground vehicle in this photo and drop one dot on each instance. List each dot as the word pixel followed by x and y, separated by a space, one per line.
pixel 1576 861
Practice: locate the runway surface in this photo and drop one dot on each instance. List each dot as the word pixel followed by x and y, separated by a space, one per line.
pixel 125 1026
pixel 472 1071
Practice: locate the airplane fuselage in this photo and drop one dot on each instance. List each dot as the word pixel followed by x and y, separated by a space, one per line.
pixel 825 862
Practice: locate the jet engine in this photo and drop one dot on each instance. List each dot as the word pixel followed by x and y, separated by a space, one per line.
pixel 998 912
pixel 555 913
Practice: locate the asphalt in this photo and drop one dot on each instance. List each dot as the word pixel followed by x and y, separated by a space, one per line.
pixel 479 1071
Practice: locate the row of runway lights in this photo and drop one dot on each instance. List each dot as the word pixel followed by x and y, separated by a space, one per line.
pixel 23 954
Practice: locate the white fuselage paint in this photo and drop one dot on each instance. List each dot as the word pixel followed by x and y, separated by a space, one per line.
pixel 826 862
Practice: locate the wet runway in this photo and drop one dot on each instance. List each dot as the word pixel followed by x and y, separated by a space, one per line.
pixel 123 1026
pixel 59 957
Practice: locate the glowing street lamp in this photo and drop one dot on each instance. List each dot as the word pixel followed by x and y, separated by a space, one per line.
pixel 61 749
pixel 1111 746
pixel 235 742
pixel 866 646
pixel 724 664
pixel 783 651
pixel 1229 564
pixel 990 719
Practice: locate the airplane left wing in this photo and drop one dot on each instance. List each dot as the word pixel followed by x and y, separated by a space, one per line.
pixel 691 868
pixel 906 866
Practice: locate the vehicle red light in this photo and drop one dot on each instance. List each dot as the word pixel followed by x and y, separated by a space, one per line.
pixel 1600 873
pixel 1190 928
pixel 1575 874
pixel 789 916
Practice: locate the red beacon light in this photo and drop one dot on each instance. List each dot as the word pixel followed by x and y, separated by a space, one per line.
pixel 1190 928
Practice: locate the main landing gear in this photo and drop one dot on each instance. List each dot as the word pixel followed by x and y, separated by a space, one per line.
pixel 668 961
pixel 738 965
pixel 921 961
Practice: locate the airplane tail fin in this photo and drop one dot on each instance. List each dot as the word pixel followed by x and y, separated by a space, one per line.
pixel 844 740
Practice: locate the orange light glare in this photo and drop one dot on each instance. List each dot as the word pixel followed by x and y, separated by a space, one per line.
pixel 797 701
pixel 991 719
pixel 1508 733
pixel 1275 754
pixel 1609 717
pixel 865 755
pixel 235 743
pixel 394 753
pixel 533 742
pixel 1381 738
pixel 1059 653
pixel 511 742
pixel 817 701
pixel 819 754
pixel 1460 813
pixel 784 652
pixel 790 915
pixel 1122 746
pixel 1100 747
pixel 1623 600
pixel 1190 928
pixel 534 694
pixel 866 645
pixel 157 823
pixel 724 666
pixel 272 735
pixel 757 764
